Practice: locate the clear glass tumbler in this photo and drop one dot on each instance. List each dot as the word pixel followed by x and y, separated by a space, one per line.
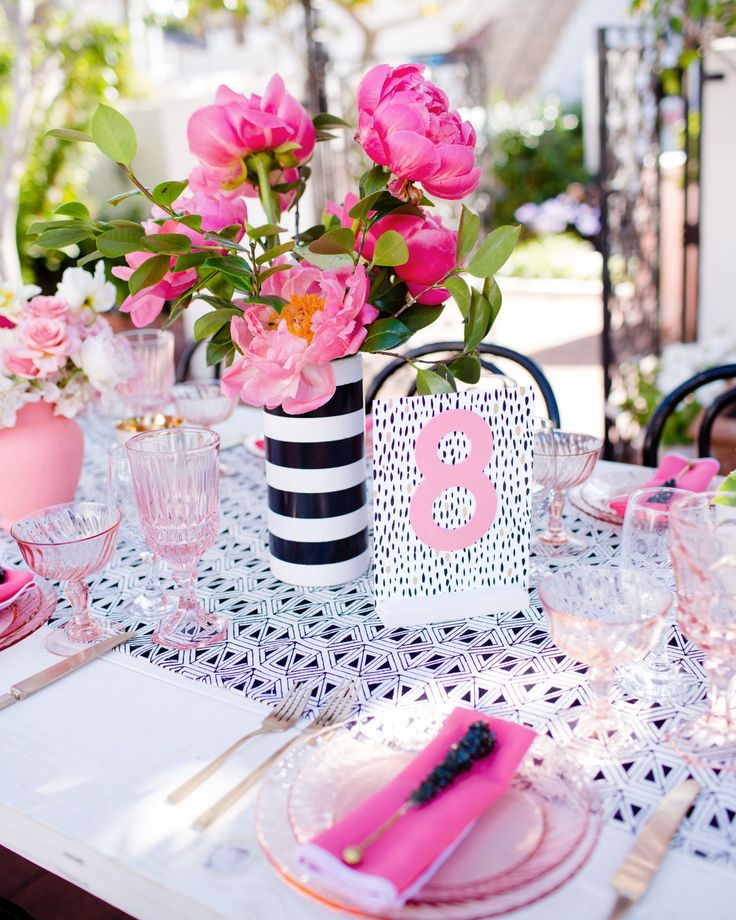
pixel 152 352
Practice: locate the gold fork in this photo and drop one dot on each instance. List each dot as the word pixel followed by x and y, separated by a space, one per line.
pixel 335 710
pixel 283 717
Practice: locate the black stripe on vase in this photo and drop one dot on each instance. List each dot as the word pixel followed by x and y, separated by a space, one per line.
pixel 346 399
pixel 317 504
pixel 315 455
pixel 327 553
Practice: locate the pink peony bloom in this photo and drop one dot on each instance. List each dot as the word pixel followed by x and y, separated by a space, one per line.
pixel 286 358
pixel 47 307
pixel 229 183
pixel 431 245
pixel 226 133
pixel 404 123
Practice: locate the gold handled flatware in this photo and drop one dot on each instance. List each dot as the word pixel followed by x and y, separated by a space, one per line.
pixel 38 681
pixel 635 873
pixel 282 717
pixel 335 710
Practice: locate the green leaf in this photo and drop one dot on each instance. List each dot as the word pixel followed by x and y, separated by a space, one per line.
pixel 493 252
pixel 492 291
pixel 275 252
pixel 212 322
pixel 274 269
pixel 113 134
pixel 218 303
pixel 64 236
pixel 336 241
pixel 385 333
pixel 467 233
pixel 390 249
pixel 119 242
pixel 373 180
pixel 219 351
pixel 148 273
pixel 42 225
pixel 166 242
pixel 237 271
pixel 325 120
pixel 90 257
pixel 270 300
pixel 73 209
pixel 194 221
pixel 123 196
pixel 727 490
pixel 190 260
pixel 362 208
pixel 225 242
pixel 133 224
pixel 166 193
pixel 477 323
pixel 69 134
pixel 418 316
pixel 460 293
pixel 322 261
pixel 255 233
pixel 466 368
pixel 178 307
pixel 429 382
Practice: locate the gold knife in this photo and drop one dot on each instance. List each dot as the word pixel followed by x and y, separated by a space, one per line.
pixel 38 681
pixel 644 858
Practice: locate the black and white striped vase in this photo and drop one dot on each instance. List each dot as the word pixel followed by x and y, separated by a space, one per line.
pixel 316 476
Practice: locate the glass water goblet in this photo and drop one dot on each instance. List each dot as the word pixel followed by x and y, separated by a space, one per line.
pixel 70 542
pixel 151 604
pixel 703 549
pixel 152 353
pixel 604 617
pixel 202 402
pixel 645 544
pixel 177 489
pixel 562 459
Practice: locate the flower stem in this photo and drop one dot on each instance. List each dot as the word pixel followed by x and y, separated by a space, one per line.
pixel 261 162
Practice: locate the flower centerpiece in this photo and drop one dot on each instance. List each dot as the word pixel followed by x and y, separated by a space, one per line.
pixel 57 353
pixel 288 309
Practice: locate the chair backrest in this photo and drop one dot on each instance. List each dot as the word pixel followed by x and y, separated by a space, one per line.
pixel 486 349
pixel 187 356
pixel 664 410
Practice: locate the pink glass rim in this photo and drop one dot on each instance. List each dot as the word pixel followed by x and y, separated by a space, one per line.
pixel 693 500
pixel 651 581
pixel 573 434
pixel 150 335
pixel 135 443
pixel 43 512
pixel 656 490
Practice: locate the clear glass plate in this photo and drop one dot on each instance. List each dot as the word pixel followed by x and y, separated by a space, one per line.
pixel 606 484
pixel 526 846
pixel 31 610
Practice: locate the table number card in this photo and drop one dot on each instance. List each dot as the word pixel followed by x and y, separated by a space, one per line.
pixel 452 478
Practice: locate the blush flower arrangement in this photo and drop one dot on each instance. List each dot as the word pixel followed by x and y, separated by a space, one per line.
pixel 58 349
pixel 378 268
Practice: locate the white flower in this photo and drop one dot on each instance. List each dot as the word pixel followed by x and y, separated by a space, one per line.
pixel 73 396
pixel 14 394
pixel 13 299
pixel 81 289
pixel 103 362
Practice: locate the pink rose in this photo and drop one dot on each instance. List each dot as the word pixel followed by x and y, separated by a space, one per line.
pixel 431 245
pixel 45 343
pixel 286 358
pixel 47 307
pixel 225 134
pixel 22 367
pixel 404 123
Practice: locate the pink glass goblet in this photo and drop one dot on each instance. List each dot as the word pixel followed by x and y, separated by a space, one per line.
pixel 69 543
pixel 177 489
pixel 202 402
pixel 148 390
pixel 604 617
pixel 703 550
pixel 562 459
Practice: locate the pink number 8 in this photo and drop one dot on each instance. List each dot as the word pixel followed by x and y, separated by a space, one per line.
pixel 439 476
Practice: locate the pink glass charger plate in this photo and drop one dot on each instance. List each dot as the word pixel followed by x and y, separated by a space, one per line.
pixel 606 484
pixel 24 616
pixel 528 845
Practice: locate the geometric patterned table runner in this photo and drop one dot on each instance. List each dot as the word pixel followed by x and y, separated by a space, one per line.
pixel 280 634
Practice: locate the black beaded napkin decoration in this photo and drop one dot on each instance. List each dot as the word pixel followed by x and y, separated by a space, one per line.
pixel 477 742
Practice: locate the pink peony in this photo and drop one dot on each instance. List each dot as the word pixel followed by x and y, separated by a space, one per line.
pixel 431 245
pixel 47 307
pixel 229 183
pixel 404 123
pixel 286 358
pixel 45 344
pixel 225 134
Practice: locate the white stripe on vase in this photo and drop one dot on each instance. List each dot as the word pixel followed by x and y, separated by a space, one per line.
pixel 332 479
pixel 315 576
pixel 348 370
pixel 318 530
pixel 312 430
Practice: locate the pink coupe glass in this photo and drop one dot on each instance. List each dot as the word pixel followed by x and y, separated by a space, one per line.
pixel 69 543
pixel 202 402
pixel 703 549
pixel 177 489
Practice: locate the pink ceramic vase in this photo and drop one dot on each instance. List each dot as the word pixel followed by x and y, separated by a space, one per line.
pixel 40 462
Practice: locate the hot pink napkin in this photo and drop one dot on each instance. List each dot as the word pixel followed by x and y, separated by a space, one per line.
pixel 15 580
pixel 399 863
pixel 695 479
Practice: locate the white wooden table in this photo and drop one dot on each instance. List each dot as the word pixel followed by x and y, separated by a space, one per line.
pixel 85 767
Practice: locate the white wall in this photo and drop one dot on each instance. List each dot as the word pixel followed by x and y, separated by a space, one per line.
pixel 717 299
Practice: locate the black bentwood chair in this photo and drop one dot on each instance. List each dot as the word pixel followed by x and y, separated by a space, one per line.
pixel 724 401
pixel 187 356
pixel 442 350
